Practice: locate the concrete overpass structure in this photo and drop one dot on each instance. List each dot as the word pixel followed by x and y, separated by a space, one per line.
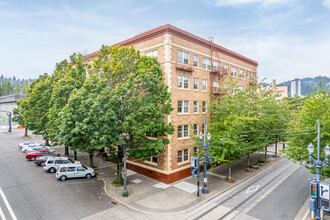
pixel 7 104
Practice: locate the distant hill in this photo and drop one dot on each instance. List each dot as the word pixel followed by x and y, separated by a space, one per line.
pixel 307 84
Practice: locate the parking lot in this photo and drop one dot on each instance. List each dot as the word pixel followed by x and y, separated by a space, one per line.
pixel 29 192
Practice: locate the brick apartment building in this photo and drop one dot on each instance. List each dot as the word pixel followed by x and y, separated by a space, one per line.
pixel 193 69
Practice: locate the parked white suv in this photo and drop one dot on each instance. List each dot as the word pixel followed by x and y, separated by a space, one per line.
pixel 53 163
pixel 74 171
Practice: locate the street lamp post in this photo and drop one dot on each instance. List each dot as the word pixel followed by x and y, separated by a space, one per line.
pixel 125 192
pixel 318 164
pixel 204 145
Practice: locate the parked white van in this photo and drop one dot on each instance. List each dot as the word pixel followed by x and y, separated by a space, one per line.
pixel 74 171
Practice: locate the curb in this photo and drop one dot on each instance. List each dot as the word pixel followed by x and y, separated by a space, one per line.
pixel 237 184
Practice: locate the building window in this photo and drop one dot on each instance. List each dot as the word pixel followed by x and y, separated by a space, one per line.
pixel 195 150
pixel 233 71
pixel 226 86
pixel 204 107
pixel 233 90
pixel 195 84
pixel 241 88
pixel 186 82
pixel 204 85
pixel 241 72
pixel 251 76
pixel 195 129
pixel 195 106
pixel 247 74
pixel 206 64
pixel 195 60
pixel 152 54
pixel 180 81
pixel 185 58
pixel 216 86
pixel 183 106
pixel 154 159
pixel 180 56
pixel 183 155
pixel 216 66
pixel 183 131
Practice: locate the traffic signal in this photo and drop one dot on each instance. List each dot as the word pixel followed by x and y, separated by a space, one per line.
pixel 313 190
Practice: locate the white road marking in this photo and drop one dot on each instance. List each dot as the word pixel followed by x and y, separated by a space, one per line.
pixel 8 205
pixel 252 189
pixel 2 214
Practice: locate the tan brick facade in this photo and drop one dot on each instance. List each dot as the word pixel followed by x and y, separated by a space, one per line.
pixel 167 40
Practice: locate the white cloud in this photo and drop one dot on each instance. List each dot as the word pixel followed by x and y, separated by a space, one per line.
pixel 245 2
pixel 326 3
pixel 284 58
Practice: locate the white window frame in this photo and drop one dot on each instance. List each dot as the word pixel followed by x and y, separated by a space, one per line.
pixel 233 71
pixel 196 107
pixel 184 107
pixel 204 89
pixel 180 79
pixel 180 58
pixel 216 66
pixel 184 130
pixel 195 131
pixel 185 82
pixel 204 107
pixel 153 53
pixel 196 79
pixel 241 72
pixel 195 61
pixel 184 156
pixel 185 58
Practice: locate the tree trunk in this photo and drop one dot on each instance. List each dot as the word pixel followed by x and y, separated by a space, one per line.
pixel 119 168
pixel 276 148
pixel 265 152
pixel 66 150
pixel 26 132
pixel 229 171
pixel 248 160
pixel 91 164
pixel 47 142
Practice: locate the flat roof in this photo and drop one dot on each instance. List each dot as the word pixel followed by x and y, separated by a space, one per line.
pixel 170 29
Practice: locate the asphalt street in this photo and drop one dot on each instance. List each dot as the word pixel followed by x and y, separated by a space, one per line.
pixel 285 201
pixel 29 192
pixel 278 193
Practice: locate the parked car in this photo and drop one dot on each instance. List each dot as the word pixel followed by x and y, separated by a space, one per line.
pixel 29 146
pixel 20 145
pixel 39 147
pixel 40 161
pixel 74 171
pixel 33 155
pixel 52 164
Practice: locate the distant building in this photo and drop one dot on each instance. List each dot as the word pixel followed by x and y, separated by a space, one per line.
pixel 296 88
pixel 279 91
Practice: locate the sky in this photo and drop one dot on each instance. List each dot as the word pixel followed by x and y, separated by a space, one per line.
pixel 289 38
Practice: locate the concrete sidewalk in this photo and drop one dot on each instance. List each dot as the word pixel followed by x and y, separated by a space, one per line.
pixel 151 199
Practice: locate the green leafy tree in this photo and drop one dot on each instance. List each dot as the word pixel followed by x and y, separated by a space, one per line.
pixel 75 129
pixel 25 87
pixel 303 129
pixel 37 106
pixel 18 89
pixel 18 114
pixel 140 100
pixel 70 78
